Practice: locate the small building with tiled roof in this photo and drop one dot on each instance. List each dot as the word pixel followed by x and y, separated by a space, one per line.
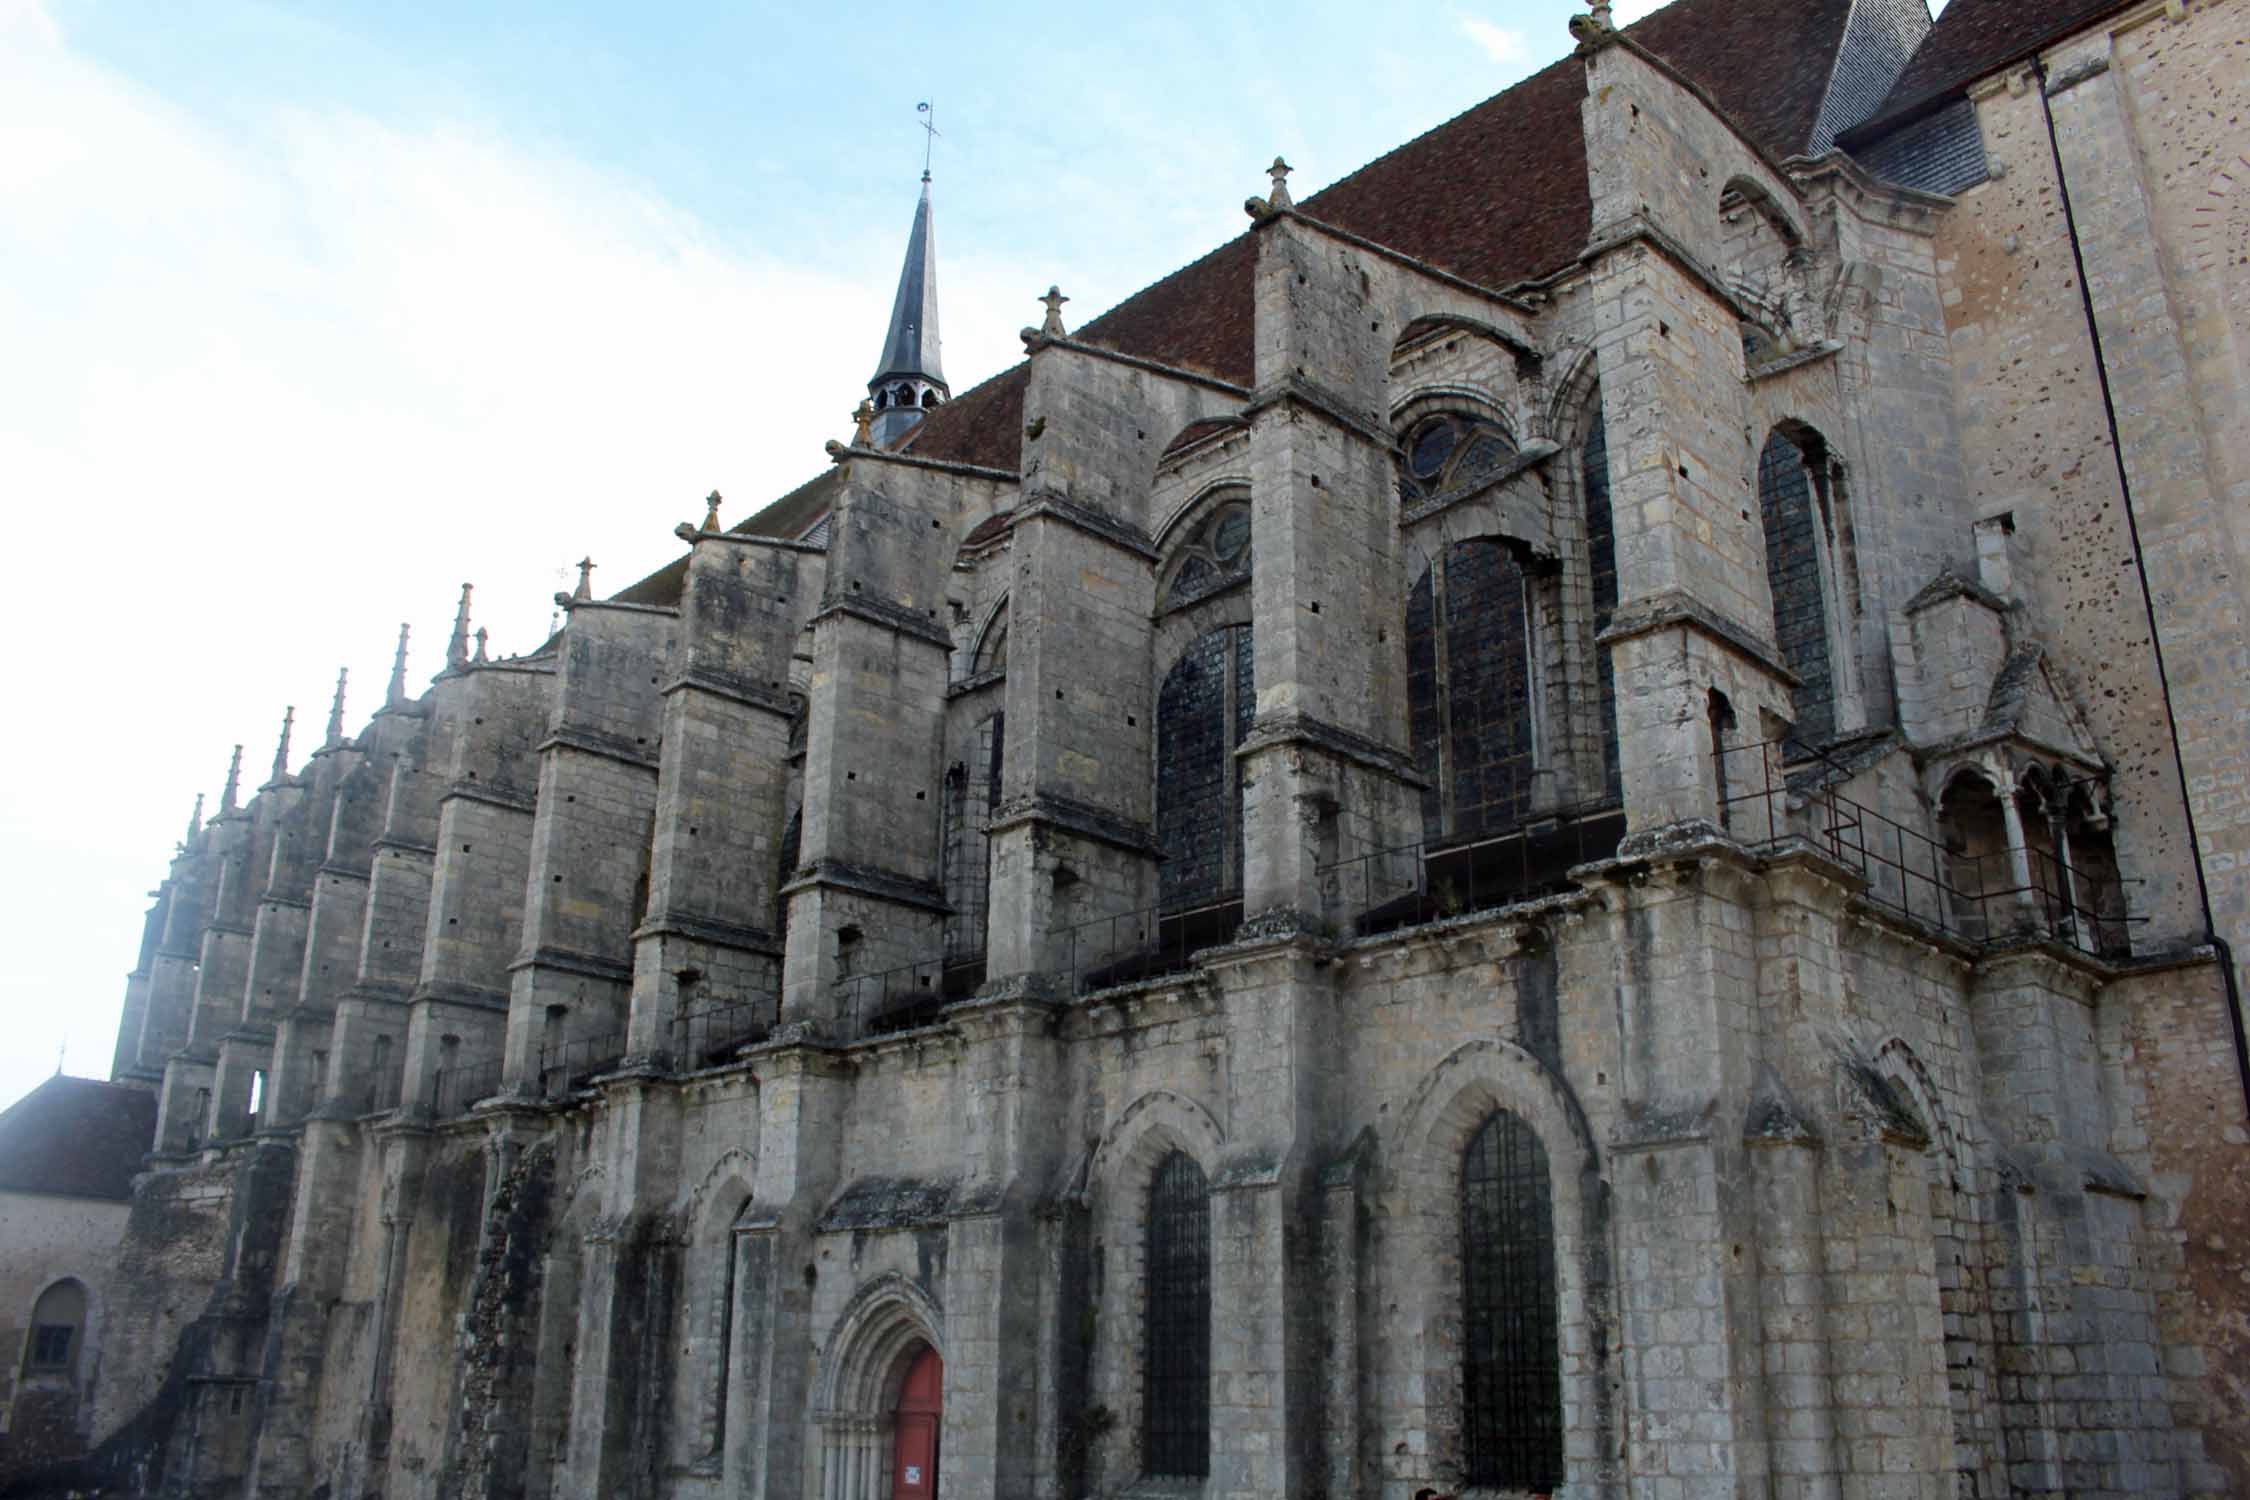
pixel 69 1151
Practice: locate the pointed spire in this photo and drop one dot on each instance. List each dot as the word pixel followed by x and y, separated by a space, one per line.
pixel 481 633
pixel 396 694
pixel 281 751
pixel 711 512
pixel 910 376
pixel 585 589
pixel 195 820
pixel 233 790
pixel 457 649
pixel 336 709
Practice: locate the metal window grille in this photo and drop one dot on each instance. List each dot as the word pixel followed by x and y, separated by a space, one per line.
pixel 1176 1365
pixel 50 1345
pixel 1512 1373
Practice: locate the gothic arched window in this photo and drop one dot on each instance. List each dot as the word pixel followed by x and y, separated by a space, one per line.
pixel 1469 690
pixel 1215 556
pixel 1203 711
pixel 1793 506
pixel 1601 565
pixel 1176 1349
pixel 1511 1361
pixel 1449 452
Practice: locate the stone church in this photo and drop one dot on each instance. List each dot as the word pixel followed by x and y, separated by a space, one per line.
pixel 1567 823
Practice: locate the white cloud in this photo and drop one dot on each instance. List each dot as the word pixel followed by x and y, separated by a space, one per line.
pixel 271 389
pixel 1503 46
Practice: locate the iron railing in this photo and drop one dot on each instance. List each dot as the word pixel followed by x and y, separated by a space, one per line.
pixel 1409 884
pixel 455 1089
pixel 710 1035
pixel 570 1064
pixel 1150 943
pixel 1977 895
pixel 906 996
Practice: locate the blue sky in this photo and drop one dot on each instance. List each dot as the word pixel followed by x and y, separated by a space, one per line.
pixel 310 313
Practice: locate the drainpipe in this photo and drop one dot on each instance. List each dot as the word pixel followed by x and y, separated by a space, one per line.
pixel 2148 601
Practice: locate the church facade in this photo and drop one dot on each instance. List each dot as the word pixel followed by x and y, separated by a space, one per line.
pixel 1565 823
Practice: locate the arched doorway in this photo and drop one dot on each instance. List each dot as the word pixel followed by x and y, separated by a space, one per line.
pixel 915 1427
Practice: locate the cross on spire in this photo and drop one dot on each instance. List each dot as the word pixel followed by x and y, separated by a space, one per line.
pixel 928 112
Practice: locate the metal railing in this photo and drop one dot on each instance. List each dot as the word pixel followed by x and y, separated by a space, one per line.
pixel 453 1090
pixel 1151 943
pixel 1986 895
pixel 710 1035
pixel 1409 884
pixel 572 1063
pixel 900 998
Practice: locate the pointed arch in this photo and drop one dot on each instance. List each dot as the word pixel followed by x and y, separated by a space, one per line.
pixel 876 1336
pixel 1419 1354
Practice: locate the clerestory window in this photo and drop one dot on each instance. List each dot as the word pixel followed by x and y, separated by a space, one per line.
pixel 1449 452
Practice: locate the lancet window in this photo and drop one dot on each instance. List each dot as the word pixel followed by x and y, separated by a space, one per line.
pixel 1469 690
pixel 972 789
pixel 1203 711
pixel 1176 1349
pixel 1796 504
pixel 1511 1377
pixel 1601 564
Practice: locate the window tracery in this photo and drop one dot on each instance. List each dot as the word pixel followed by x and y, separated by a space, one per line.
pixel 1451 451
pixel 1215 556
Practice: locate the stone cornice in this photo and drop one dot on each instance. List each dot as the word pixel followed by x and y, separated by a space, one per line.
pixel 1296 728
pixel 868 880
pixel 839 453
pixel 732 686
pixel 1419 267
pixel 716 931
pixel 1053 810
pixel 888 616
pixel 1099 525
pixel 601 745
pixel 1305 395
pixel 1040 342
pixel 590 965
pixel 491 796
pixel 1639 617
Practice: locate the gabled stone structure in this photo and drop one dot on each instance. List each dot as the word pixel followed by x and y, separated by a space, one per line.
pixel 1407 864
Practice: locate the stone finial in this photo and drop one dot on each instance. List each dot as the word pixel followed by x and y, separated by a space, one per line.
pixel 336 710
pixel 711 511
pixel 1052 326
pixel 481 634
pixel 233 791
pixel 1279 172
pixel 195 819
pixel 396 693
pixel 281 750
pixel 585 589
pixel 863 424
pixel 457 649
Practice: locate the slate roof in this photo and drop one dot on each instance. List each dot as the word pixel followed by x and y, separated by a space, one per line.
pixel 76 1138
pixel 1497 195
pixel 1973 39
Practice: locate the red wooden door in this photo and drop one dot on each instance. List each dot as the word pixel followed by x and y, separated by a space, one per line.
pixel 921 1410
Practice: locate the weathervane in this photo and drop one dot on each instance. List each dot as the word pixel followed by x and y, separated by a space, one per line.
pixel 929 123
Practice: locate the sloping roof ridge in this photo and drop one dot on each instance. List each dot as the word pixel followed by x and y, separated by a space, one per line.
pixel 1913 97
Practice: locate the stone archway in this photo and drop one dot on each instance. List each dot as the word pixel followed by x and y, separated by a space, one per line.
pixel 866 1384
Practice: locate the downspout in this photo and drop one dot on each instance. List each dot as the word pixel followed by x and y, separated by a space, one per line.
pixel 2148 602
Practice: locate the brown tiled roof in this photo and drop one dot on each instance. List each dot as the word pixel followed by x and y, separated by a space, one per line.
pixel 789 517
pixel 76 1137
pixel 1496 195
pixel 1766 62
pixel 1973 39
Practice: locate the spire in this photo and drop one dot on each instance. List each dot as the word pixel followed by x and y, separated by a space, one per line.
pixel 281 751
pixel 195 820
pixel 336 710
pixel 397 691
pixel 481 641
pixel 457 649
pixel 234 783
pixel 909 376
